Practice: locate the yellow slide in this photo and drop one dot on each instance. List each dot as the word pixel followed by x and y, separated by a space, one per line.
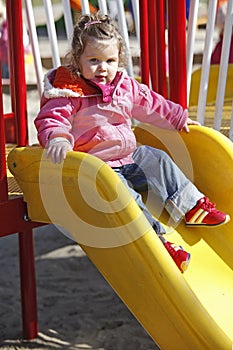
pixel 187 311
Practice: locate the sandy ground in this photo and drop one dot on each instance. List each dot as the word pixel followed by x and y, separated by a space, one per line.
pixel 77 309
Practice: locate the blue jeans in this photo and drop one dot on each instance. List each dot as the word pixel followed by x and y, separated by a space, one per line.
pixel 155 170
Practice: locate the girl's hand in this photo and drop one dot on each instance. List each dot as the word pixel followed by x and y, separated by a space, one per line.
pixel 57 149
pixel 189 122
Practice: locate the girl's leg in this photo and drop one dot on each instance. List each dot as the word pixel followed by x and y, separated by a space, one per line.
pixel 178 254
pixel 157 226
pixel 175 191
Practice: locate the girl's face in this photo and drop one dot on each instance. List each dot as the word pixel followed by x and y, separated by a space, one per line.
pixel 99 60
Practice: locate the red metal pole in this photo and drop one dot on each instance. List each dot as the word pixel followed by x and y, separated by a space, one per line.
pixel 177 51
pixel 18 91
pixel 144 42
pixel 28 285
pixel 153 59
pixel 161 47
pixel 17 69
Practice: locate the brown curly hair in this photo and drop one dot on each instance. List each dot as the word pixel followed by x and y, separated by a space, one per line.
pixel 104 28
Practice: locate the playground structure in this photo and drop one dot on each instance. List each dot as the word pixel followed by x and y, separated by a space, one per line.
pixel 161 74
pixel 195 318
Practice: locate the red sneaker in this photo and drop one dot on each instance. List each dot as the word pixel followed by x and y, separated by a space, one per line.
pixel 205 214
pixel 179 255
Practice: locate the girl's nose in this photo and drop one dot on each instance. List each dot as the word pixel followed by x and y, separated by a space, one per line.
pixel 102 66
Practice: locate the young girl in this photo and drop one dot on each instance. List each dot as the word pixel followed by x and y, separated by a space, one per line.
pixel 88 106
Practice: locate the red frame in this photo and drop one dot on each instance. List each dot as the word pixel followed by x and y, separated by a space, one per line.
pixel 153 49
pixel 16 207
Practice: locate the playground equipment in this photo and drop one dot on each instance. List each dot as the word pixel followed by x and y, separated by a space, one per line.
pixel 180 56
pixel 206 83
pixel 154 69
pixel 212 86
pixel 189 311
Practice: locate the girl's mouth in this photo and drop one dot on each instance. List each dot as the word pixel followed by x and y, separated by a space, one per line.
pixel 101 78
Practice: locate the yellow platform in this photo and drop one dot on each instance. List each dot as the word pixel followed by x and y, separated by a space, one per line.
pixel 212 85
pixel 180 311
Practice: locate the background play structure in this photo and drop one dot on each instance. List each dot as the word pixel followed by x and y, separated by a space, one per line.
pixel 189 311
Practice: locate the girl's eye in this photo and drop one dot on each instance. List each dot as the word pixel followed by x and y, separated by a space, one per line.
pixel 93 60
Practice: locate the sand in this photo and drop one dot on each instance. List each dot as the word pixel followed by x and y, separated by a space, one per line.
pixel 77 309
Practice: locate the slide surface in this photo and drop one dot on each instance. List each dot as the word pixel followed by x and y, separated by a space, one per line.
pixel 84 196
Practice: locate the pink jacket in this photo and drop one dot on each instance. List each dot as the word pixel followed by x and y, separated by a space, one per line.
pixel 98 119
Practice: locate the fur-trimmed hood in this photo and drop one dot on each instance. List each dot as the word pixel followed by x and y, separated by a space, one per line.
pixel 60 82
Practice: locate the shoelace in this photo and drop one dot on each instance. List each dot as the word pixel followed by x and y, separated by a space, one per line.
pixel 207 205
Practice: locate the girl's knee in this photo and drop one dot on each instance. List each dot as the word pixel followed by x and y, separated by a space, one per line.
pixel 148 153
pixel 157 153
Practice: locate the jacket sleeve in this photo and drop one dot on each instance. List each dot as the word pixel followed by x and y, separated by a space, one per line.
pixel 55 120
pixel 150 107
